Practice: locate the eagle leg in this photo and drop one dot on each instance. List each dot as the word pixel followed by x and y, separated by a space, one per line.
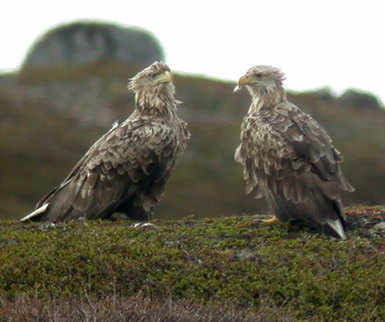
pixel 272 220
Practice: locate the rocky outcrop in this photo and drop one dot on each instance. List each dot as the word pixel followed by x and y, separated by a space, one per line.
pixel 359 99
pixel 85 42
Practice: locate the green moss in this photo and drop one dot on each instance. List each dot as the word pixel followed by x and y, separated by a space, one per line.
pixel 229 260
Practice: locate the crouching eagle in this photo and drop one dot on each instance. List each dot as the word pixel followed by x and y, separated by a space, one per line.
pixel 287 157
pixel 127 168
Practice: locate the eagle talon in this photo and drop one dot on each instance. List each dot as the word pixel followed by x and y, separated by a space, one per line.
pixel 272 220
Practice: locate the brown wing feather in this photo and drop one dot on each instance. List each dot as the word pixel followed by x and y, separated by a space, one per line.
pixel 313 147
pixel 124 163
pixel 282 149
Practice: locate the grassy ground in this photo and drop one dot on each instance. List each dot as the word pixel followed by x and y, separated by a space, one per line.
pixel 232 268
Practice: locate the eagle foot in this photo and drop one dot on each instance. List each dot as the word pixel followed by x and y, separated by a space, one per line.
pixel 272 220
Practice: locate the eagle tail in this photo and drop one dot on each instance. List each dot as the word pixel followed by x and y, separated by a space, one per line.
pixel 337 227
pixel 56 204
pixel 36 212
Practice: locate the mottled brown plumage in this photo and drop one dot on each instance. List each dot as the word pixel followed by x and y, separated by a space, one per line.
pixel 127 168
pixel 287 157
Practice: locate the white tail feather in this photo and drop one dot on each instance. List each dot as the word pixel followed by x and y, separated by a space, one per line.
pixel 337 227
pixel 38 211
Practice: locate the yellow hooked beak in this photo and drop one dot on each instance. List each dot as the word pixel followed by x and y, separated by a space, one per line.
pixel 244 80
pixel 164 77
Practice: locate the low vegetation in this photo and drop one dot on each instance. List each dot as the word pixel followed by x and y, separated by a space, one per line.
pixel 214 269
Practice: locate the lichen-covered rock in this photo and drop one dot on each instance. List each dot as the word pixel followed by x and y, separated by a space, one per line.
pixel 85 42
pixel 380 226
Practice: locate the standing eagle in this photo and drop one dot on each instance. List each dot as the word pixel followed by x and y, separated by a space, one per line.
pixel 287 157
pixel 127 168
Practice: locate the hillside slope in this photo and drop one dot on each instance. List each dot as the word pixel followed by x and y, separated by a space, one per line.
pixel 49 118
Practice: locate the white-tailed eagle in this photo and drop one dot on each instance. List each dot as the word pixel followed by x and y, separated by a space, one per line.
pixel 127 168
pixel 287 157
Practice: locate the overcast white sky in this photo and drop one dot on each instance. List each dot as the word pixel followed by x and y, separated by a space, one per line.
pixel 339 44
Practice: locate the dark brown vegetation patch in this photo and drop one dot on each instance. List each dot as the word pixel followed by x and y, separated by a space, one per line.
pixel 135 308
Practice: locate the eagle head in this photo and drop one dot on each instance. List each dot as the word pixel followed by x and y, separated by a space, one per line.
pixel 261 78
pixel 156 76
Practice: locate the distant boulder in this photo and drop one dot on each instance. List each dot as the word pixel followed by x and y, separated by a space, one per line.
pixel 88 42
pixel 358 99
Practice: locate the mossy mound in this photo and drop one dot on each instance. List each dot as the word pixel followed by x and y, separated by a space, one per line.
pixel 235 260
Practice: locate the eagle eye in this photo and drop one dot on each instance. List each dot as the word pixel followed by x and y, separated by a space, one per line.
pixel 258 75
